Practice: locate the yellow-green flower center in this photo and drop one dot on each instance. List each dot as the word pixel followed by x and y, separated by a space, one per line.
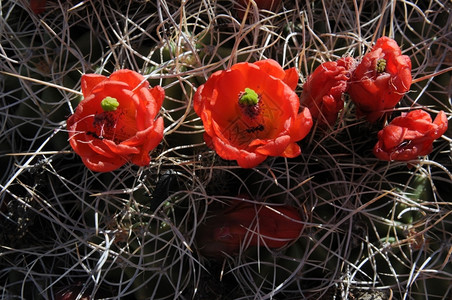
pixel 109 104
pixel 248 97
pixel 381 65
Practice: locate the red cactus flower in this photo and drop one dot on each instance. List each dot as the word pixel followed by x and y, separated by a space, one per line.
pixel 409 136
pixel 250 112
pixel 241 6
pixel 116 121
pixel 246 224
pixel 323 90
pixel 38 6
pixel 381 79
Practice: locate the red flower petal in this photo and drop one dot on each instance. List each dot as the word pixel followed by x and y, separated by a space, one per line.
pixel 149 139
pixel 301 125
pixel 100 164
pixel 108 139
pixel 409 136
pixel 133 79
pixel 272 126
pixel 271 67
pixel 381 79
pixel 89 81
pixel 291 151
pixel 291 78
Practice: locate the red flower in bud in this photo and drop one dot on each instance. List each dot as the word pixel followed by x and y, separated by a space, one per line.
pixel 72 292
pixel 116 121
pixel 323 90
pixel 246 224
pixel 409 136
pixel 250 112
pixel 38 6
pixel 381 79
pixel 241 6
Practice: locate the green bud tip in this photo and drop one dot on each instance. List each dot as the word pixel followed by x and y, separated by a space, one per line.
pixel 381 65
pixel 109 104
pixel 248 97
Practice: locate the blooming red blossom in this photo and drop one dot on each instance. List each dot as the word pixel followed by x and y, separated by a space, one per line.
pixel 246 224
pixel 116 121
pixel 241 5
pixel 323 90
pixel 251 112
pixel 381 79
pixel 409 136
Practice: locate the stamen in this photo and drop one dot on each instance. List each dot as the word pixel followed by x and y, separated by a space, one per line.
pixel 248 97
pixel 381 65
pixel 109 104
